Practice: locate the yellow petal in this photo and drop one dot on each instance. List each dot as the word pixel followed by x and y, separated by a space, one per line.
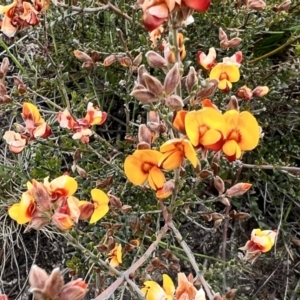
pixel 31 112
pixel 192 123
pixel 216 71
pixel 156 178
pixel 133 170
pixel 190 153
pixel 101 205
pixel 249 130
pixel 114 262
pixel 18 212
pixel 4 9
pixel 153 291
pixel 224 85
pixel 168 285
pixel 231 118
pixel 171 160
pixel 169 145
pixel 232 149
pixel 214 120
pixel 64 185
pixel 211 137
pixel 119 253
pixel 232 72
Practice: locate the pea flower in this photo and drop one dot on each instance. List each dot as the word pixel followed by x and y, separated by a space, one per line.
pixel 243 133
pixel 115 256
pixel 142 166
pixel 153 291
pixel 206 128
pixel 261 241
pixel 226 73
pixel 16 141
pixel 174 151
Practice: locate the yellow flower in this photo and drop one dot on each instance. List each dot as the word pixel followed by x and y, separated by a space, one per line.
pixel 206 127
pixel 174 151
pixel 243 133
pixel 22 212
pixel 226 73
pixel 153 291
pixel 115 256
pixel 101 208
pixel 142 165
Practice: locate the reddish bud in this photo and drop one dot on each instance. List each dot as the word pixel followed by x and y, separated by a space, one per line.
pixel 172 79
pixel 155 60
pixel 238 189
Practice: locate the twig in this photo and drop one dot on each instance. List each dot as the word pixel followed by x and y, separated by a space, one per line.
pixel 116 10
pixel 111 289
pixel 191 258
pixel 81 9
pixel 271 167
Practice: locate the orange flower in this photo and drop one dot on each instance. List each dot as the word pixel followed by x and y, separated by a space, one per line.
pixel 15 141
pixel 243 133
pixel 206 127
pixel 178 121
pixel 115 256
pixel 261 241
pixel 34 123
pixel 226 73
pixel 94 116
pixel 207 61
pixel 23 211
pixel 199 5
pixel 174 151
pixel 185 289
pixel 142 165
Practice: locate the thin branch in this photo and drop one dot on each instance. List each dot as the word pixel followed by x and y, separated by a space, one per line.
pixel 85 9
pixel 271 167
pixel 125 276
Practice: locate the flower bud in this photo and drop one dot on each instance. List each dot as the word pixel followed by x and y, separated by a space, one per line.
pixel 62 221
pixel 231 294
pixel 174 102
pixel 166 190
pixel 233 104
pixel 244 93
pixel 208 90
pixel 153 85
pixel 138 59
pixel 4 67
pixel 114 201
pixel 153 116
pixel 191 79
pixel 144 134
pixel 172 79
pixel 234 42
pixel 141 72
pixel 144 96
pixel 256 4
pixel 86 209
pixel 109 60
pixel 143 146
pixel 219 184
pixel 74 290
pixel 222 35
pixel 238 189
pixel 82 56
pixel 284 6
pixel 155 60
pixel 260 91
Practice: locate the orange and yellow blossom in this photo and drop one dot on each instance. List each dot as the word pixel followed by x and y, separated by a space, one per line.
pixel 206 128
pixel 153 291
pixel 226 73
pixel 23 211
pixel 243 133
pixel 62 186
pixel 115 256
pixel 94 116
pixel 142 166
pixel 62 221
pixel 261 241
pixel 178 121
pixel 34 123
pixel 174 151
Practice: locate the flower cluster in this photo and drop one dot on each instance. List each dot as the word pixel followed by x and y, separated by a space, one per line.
pixel 53 202
pixel 225 72
pixel 206 129
pixel 261 241
pixel 35 127
pixel 21 14
pixel 81 127
pixel 44 286
pixel 156 12
pixel 184 291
